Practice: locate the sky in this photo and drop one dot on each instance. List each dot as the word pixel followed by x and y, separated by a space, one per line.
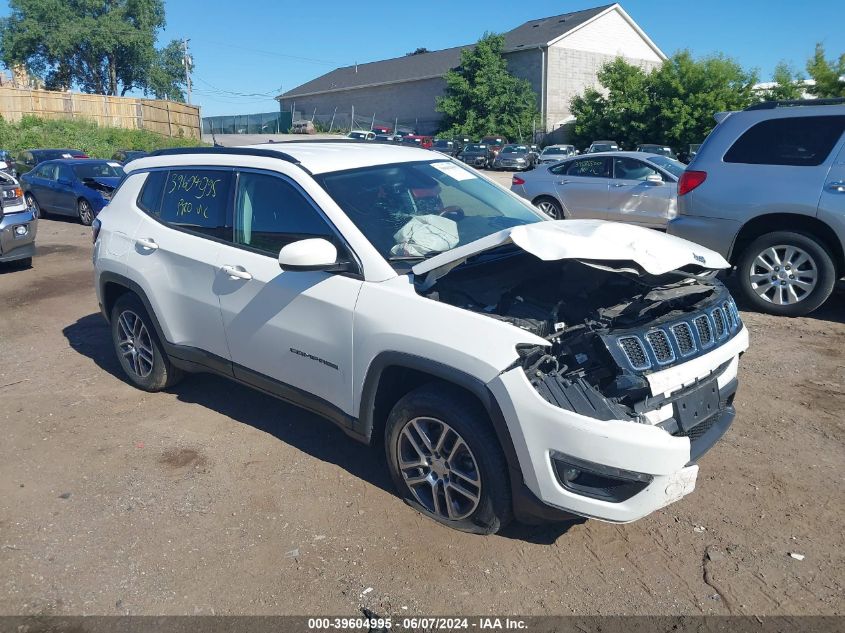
pixel 245 53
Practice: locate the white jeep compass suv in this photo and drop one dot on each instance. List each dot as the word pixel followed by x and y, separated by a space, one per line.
pixel 511 365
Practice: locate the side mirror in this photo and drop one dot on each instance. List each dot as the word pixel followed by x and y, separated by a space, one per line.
pixel 654 179
pixel 310 254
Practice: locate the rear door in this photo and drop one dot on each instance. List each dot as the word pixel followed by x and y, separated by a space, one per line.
pixel 174 252
pixel 42 185
pixel 582 187
pixel 636 195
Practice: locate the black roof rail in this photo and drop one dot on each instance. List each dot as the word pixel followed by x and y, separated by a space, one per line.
pixel 236 151
pixel 771 105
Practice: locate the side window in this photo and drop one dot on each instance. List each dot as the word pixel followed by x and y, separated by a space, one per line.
pixel 590 168
pixel 560 169
pixel 270 212
pixel 64 174
pixel 632 169
pixel 798 141
pixel 48 172
pixel 149 199
pixel 197 200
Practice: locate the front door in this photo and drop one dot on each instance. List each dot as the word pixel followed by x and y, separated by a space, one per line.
pixel 582 186
pixel 64 196
pixel 832 199
pixel 285 329
pixel 639 194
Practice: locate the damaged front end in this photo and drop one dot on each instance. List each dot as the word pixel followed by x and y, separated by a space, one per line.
pixel 609 327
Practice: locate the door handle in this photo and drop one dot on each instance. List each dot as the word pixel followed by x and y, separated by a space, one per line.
pixel 563 182
pixel 618 184
pixel 236 272
pixel 837 187
pixel 147 242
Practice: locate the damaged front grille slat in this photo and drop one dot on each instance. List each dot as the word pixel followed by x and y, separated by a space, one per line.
pixel 660 346
pixel 635 352
pixel 688 337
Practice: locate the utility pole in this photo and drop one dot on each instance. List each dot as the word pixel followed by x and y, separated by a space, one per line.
pixel 186 61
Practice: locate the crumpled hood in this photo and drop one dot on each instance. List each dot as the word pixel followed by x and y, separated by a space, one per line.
pixel 104 182
pixel 585 240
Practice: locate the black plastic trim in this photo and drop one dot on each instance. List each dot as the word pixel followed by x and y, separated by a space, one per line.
pixel 229 151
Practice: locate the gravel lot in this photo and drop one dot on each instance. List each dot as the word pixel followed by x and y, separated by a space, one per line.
pixel 213 498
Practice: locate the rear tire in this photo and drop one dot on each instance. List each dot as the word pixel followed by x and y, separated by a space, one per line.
pixel 550 207
pixel 138 348
pixel 440 438
pixel 786 273
pixel 85 212
pixel 33 204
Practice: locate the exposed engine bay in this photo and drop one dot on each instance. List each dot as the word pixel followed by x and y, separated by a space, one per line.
pixel 584 310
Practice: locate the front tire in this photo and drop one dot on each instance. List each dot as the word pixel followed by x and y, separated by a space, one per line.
pixel 786 273
pixel 138 348
pixel 85 212
pixel 445 460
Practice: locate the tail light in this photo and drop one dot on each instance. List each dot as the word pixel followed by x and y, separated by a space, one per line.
pixel 690 180
pixel 517 180
pixel 95 230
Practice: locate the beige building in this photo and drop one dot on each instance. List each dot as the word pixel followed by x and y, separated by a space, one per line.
pixel 559 55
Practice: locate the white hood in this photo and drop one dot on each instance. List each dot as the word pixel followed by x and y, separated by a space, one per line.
pixel 587 240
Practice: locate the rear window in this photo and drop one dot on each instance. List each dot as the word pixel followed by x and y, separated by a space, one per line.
pixel 796 141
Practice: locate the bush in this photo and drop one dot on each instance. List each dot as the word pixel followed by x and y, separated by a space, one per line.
pixel 98 142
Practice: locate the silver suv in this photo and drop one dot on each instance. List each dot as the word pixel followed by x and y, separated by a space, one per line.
pixel 767 191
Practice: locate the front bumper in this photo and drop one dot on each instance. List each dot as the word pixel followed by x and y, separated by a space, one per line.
pixel 716 234
pixel 13 244
pixel 540 431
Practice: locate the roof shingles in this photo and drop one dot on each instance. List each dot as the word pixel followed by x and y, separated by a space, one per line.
pixel 531 34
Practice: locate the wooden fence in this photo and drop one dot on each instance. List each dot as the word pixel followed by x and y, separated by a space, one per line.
pixel 168 118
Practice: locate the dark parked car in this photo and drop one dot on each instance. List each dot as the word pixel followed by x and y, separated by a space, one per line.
pixel 663 150
pixel 445 146
pixel 477 155
pixel 29 158
pixel 495 143
pixel 123 156
pixel 602 146
pixel 79 188
pixel 517 157
pixel 419 141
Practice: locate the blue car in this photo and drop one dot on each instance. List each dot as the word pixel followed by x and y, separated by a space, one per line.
pixel 78 187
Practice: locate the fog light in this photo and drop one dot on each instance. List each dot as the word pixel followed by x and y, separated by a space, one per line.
pixel 21 230
pixel 597 480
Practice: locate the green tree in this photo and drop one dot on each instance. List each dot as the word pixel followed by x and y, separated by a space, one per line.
pixel 829 75
pixel 787 84
pixel 101 46
pixel 673 104
pixel 167 73
pixel 483 98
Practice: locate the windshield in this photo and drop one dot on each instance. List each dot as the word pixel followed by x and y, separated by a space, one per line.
pixel 603 147
pixel 415 210
pixel 98 170
pixel 362 135
pixel 556 151
pixel 475 148
pixel 674 167
pixel 514 149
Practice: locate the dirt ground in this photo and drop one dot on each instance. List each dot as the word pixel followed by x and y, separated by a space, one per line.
pixel 215 499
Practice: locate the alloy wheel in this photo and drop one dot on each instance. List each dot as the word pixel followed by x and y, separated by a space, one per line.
pixel 32 204
pixel 783 274
pixel 439 468
pixel 86 214
pixel 548 208
pixel 135 344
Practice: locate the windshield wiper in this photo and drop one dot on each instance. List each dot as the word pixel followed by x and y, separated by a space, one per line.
pixel 429 255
